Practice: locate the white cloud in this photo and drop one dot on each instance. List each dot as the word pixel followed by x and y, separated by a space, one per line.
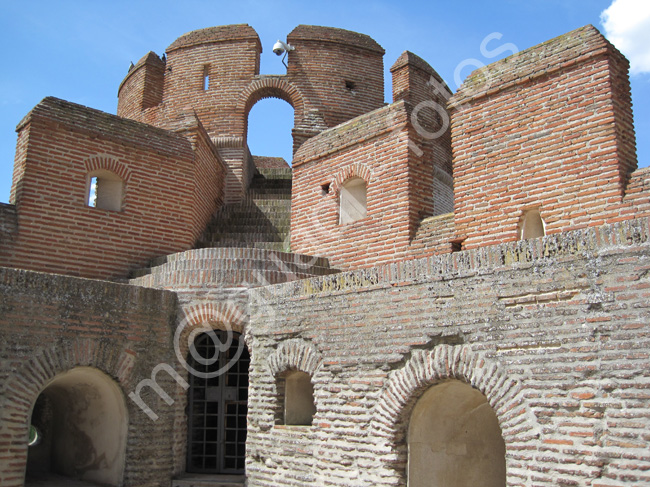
pixel 627 26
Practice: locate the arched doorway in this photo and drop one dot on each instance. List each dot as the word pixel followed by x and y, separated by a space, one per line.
pixel 78 429
pixel 217 403
pixel 270 125
pixel 454 439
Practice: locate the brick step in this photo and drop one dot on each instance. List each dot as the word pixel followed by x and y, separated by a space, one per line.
pixel 273 173
pixel 219 279
pixel 247 237
pixel 247 225
pixel 226 244
pixel 279 246
pixel 269 203
pixel 236 264
pixel 261 181
pixel 232 232
pixel 256 207
pixel 229 267
pixel 201 480
pixel 252 218
pixel 262 194
pixel 279 185
pixel 239 253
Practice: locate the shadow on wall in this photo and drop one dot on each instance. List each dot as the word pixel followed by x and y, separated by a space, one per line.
pixel 454 439
pixel 78 429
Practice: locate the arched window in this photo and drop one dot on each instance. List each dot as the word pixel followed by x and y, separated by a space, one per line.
pixel 454 439
pixel 531 225
pixel 78 429
pixel 105 190
pixel 296 398
pixel 352 198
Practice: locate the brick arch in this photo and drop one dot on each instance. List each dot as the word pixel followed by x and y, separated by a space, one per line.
pixel 356 170
pixel 26 384
pixel 108 163
pixel 294 354
pixel 222 315
pixel 426 368
pixel 272 88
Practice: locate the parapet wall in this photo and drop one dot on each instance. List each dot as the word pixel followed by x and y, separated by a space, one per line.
pixel 549 129
pixel 170 187
pixel 554 332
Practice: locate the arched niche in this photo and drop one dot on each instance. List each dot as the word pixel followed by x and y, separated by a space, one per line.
pixel 454 439
pixel 82 421
pixel 296 396
pixel 352 201
pixel 531 225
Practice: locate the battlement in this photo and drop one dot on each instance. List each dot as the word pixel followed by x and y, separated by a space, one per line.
pixel 156 190
pixel 542 139
pixel 211 35
pixel 490 324
pixel 547 130
pixel 562 52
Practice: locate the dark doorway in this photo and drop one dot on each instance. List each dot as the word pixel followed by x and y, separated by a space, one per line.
pixel 218 403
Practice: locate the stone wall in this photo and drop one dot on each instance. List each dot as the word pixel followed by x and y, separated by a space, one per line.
pixel 50 325
pixel 553 331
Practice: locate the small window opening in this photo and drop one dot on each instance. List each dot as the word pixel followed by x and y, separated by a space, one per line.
pixel 457 245
pixel 325 188
pixel 296 394
pixel 353 201
pixel 531 225
pixel 206 77
pixel 105 191
pixel 92 195
pixel 350 85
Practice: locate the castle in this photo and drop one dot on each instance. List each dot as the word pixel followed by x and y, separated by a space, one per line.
pixel 450 289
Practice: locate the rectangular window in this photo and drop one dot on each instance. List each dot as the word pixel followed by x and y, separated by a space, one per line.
pixel 92 194
pixel 206 77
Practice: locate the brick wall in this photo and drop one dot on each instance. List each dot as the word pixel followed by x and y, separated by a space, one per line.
pixel 554 332
pixel 142 88
pixel 548 128
pixel 8 223
pixel 52 324
pixel 170 191
pixel 373 147
pixel 339 73
pixel 334 75
pixel 431 187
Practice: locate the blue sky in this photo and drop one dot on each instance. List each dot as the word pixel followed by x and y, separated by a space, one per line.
pixel 80 50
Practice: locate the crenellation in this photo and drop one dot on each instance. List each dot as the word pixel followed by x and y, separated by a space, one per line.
pixel 429 283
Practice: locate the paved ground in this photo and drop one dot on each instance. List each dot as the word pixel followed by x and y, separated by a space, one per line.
pixel 200 480
pixel 52 480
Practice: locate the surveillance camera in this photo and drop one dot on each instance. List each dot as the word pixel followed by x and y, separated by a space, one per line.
pixel 279 48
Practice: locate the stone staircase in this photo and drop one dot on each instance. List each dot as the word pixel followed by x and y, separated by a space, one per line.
pixel 261 221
